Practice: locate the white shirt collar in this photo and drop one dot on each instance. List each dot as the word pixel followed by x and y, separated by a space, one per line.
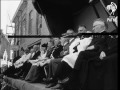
pixel 33 54
pixel 102 31
pixel 71 39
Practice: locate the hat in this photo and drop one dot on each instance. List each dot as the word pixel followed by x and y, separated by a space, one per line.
pixel 44 45
pixel 35 47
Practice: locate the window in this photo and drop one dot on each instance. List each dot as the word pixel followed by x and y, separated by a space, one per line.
pixel 23 30
pixel 19 32
pixel 16 27
pixel 39 24
pixel 30 22
pixel 24 27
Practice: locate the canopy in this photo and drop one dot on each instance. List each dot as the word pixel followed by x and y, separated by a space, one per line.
pixel 59 13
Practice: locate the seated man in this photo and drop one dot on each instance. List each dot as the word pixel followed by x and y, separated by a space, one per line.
pixel 27 65
pixel 55 53
pixel 42 56
pixel 19 63
pixel 97 49
pixel 12 70
pixel 23 59
pixel 35 72
pixel 23 62
pixel 40 68
pixel 52 66
pixel 98 43
pixel 68 61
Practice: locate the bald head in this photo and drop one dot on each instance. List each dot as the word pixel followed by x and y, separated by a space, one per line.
pixel 70 31
pixel 99 25
pixel 82 29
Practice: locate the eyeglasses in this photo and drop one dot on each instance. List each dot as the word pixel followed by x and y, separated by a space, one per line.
pixel 80 30
pixel 97 25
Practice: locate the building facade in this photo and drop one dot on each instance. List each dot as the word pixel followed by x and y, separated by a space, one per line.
pixel 58 19
pixel 5 47
pixel 29 22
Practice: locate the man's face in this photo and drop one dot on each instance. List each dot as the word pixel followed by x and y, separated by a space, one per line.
pixel 50 44
pixel 32 50
pixel 98 26
pixel 81 30
pixel 69 32
pixel 62 40
pixel 56 41
pixel 21 53
pixel 35 48
pixel 43 48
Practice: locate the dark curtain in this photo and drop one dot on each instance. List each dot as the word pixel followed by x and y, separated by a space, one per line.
pixel 59 13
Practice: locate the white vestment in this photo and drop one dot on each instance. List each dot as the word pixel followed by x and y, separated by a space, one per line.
pixel 71 58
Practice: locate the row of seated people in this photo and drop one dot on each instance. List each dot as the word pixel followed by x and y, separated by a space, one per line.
pixel 62 62
pixel 20 61
pixel 29 58
pixel 88 48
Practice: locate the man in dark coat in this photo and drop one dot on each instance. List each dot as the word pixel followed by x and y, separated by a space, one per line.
pixel 15 59
pixel 38 70
pixel 36 73
pixel 52 66
pixel 98 49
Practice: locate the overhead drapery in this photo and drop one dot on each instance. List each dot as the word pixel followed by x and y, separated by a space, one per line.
pixel 59 13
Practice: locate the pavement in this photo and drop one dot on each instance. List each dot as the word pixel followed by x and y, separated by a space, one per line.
pixel 23 85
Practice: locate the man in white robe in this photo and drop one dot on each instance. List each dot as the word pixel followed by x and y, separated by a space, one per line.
pixel 71 58
pixel 68 61
pixel 81 46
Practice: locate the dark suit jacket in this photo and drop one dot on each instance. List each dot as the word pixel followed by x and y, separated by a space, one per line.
pixel 65 48
pixel 35 55
pixel 99 42
pixel 16 58
pixel 49 52
pixel 57 50
pixel 115 31
pixel 112 45
pixel 91 71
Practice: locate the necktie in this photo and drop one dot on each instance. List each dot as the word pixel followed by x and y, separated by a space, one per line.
pixel 75 48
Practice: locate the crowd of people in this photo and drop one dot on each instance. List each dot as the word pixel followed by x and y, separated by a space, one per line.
pixel 59 62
